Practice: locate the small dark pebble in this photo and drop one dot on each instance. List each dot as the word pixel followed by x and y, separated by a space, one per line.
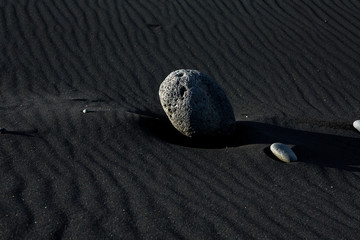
pixel 2 130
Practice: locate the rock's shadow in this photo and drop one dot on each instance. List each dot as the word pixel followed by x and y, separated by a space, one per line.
pixel 161 128
pixel 317 148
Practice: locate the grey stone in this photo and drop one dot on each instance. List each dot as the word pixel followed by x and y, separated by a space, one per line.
pixel 196 105
pixel 283 152
pixel 356 125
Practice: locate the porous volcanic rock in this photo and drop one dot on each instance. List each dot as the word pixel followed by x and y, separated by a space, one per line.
pixel 196 105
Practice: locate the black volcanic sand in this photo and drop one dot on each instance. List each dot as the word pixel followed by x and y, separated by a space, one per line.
pixel 291 70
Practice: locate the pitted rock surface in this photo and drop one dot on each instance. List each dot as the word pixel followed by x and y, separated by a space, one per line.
pixel 196 105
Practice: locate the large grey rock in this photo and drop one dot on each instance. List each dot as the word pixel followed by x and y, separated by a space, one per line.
pixel 283 152
pixel 196 105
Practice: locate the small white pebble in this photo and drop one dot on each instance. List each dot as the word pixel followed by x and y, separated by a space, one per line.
pixel 85 110
pixel 356 125
pixel 283 152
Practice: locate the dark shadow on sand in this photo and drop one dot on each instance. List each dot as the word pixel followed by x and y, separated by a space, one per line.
pixel 315 148
pixel 28 133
